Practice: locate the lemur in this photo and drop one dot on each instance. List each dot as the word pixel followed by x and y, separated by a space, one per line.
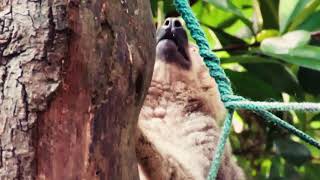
pixel 179 121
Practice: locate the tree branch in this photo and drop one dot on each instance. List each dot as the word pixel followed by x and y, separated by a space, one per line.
pixel 237 47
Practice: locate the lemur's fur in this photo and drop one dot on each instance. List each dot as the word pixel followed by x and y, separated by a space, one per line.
pixel 178 124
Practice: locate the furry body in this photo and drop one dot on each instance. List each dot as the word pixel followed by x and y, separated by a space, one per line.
pixel 178 123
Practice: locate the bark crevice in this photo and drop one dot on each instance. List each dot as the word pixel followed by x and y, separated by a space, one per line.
pixel 72 81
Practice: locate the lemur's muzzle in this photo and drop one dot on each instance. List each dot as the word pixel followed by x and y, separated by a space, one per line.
pixel 173 30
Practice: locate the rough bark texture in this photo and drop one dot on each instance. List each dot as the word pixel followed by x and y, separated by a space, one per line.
pixel 73 75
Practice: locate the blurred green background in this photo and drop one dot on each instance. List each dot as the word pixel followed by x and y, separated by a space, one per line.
pixel 270 49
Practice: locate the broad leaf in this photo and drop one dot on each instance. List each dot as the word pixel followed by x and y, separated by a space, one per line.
pixel 276 168
pixel 211 37
pixel 247 58
pixel 282 45
pixel 213 16
pixel 288 10
pixel 305 13
pixel 292 47
pixel 290 172
pixel 242 85
pixel 226 38
pixel 306 56
pixel 154 6
pixel 267 33
pixel 228 6
pixel 168 6
pixel 312 23
pixel 266 167
pixel 292 151
pixel 228 22
pixel 269 12
pixel 307 79
pixel 277 75
pixel 311 171
pixel 316 117
pixel 210 15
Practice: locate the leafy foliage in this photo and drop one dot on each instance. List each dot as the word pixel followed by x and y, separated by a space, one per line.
pixel 270 49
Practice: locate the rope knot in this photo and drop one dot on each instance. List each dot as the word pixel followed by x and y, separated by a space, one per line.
pixel 229 100
pixel 233 98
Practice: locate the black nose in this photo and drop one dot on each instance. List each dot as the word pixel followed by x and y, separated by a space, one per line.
pixel 172 24
pixel 172 29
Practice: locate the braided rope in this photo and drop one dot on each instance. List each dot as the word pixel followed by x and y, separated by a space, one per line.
pixel 232 101
pixel 273 106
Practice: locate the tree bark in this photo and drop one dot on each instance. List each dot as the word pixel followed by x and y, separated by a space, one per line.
pixel 73 76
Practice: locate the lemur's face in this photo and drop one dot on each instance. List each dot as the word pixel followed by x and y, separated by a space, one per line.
pixel 172 43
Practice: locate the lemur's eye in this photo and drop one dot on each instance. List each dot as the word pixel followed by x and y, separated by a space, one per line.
pixel 177 23
pixel 167 22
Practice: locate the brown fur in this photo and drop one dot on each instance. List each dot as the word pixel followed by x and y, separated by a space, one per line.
pixel 178 124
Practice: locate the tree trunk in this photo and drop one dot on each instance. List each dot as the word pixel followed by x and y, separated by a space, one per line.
pixel 73 75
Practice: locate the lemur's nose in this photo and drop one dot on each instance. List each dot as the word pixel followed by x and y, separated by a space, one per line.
pixel 172 24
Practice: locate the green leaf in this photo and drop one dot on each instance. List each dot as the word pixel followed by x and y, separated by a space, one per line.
pixel 291 173
pixel 311 171
pixel 210 15
pixel 211 37
pixel 248 58
pixel 265 167
pixel 307 79
pixel 288 10
pixel 311 23
pixel 292 151
pixel 266 33
pixel 292 47
pixel 315 124
pixel 306 56
pixel 228 6
pixel 242 85
pixel 226 39
pixel 154 6
pixel 228 22
pixel 276 168
pixel 316 117
pixel 269 11
pixel 277 75
pixel 281 45
pixel 305 13
pixel 168 6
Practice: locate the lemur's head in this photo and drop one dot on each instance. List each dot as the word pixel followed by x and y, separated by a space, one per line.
pixel 179 65
pixel 172 43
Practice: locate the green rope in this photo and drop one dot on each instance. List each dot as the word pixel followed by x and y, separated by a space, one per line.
pixel 273 106
pixel 232 101
pixel 220 148
pixel 271 118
